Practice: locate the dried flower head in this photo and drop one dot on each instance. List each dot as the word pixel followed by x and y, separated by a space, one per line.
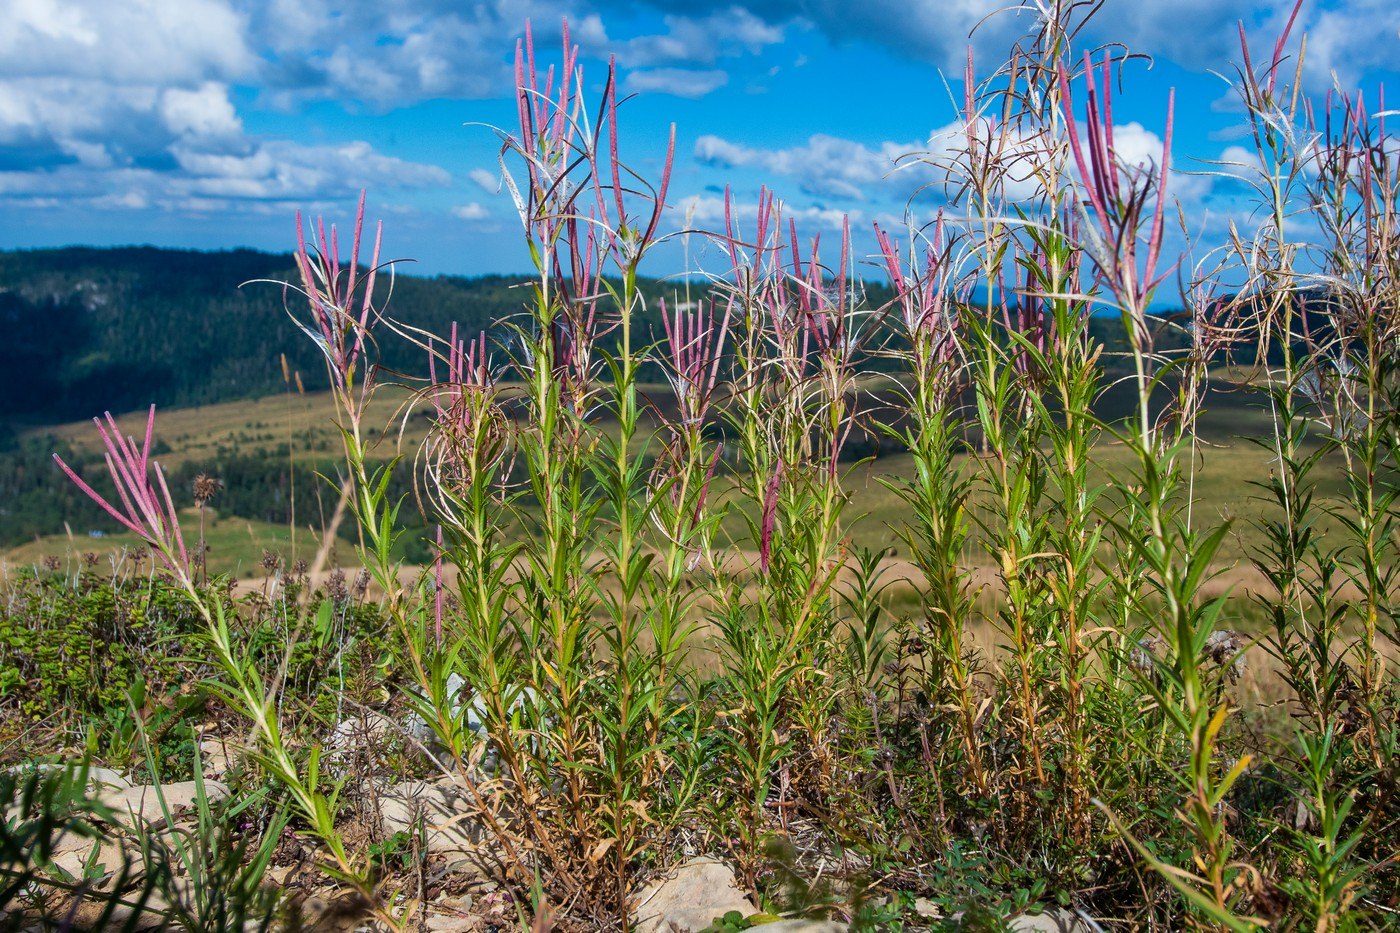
pixel 205 488
pixel 335 585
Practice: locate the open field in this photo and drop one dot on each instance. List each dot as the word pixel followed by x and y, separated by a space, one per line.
pixel 236 546
pixel 1223 482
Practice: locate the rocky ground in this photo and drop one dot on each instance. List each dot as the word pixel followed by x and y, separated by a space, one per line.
pixel 427 833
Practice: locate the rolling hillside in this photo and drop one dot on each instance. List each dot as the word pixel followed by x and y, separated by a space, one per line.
pixel 96 329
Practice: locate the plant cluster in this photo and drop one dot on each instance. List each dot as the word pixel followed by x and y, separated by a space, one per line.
pixel 644 625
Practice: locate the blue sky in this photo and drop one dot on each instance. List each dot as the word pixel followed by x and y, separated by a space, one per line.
pixel 208 123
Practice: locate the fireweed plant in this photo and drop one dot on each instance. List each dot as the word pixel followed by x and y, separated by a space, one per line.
pixel 645 627
pixel 145 506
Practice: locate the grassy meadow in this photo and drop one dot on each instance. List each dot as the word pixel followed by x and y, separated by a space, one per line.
pixel 302 428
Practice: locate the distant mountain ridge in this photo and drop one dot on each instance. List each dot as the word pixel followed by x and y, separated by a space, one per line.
pixel 88 329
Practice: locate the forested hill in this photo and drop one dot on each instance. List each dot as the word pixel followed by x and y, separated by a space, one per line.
pixel 91 329
pixel 84 330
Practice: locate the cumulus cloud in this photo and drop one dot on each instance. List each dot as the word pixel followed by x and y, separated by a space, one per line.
pixel 390 55
pixel 395 55
pixel 121 98
pixel 273 175
pixel 937 31
pixel 681 82
pixel 472 211
pixel 707 211
pixel 486 181
pixel 136 42
pixel 204 113
pixel 829 165
pixel 852 171
pixel 1353 38
pixel 700 40
pixel 128 107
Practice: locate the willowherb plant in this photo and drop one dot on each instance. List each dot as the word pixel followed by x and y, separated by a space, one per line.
pixel 154 517
pixel 1114 197
pixel 340 329
pixel 147 510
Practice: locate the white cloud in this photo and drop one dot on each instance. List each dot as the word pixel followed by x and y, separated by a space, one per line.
pixel 1350 40
pixel 701 40
pixel 827 165
pixel 707 211
pixel 891 173
pixel 1351 37
pixel 469 212
pixel 128 107
pixel 203 113
pixel 274 175
pixel 681 82
pixel 53 120
pixel 396 55
pixel 486 181
pixel 280 169
pixel 150 42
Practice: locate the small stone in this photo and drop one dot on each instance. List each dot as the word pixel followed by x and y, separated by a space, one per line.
pixel 277 875
pixel 444 808
pixel 218 755
pixel 74 853
pixel 108 777
pixel 144 802
pixel 467 866
pixel 1054 920
pixel 690 899
pixel 372 729
pixel 448 923
pixel 103 777
pixel 123 917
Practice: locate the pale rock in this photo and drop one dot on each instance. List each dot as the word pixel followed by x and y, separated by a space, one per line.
pixel 803 926
pixel 1054 920
pixel 449 923
pixel 690 898
pixel 123 917
pixel 100 782
pixel 370 739
pixel 98 777
pixel 277 875
pixel 445 809
pixel 456 904
pixel 472 713
pixel 72 856
pixel 107 777
pixel 217 755
pixel 332 908
pixel 144 802
pixel 372 729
